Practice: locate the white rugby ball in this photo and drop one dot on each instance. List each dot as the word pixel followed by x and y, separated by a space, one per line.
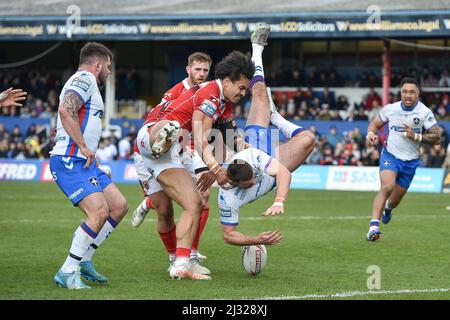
pixel 254 259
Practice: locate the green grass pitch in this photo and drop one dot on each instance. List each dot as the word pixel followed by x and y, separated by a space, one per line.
pixel 324 254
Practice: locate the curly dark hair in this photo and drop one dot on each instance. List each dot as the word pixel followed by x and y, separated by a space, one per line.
pixel 234 65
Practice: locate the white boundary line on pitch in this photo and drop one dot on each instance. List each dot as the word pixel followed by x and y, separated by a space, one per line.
pixel 281 217
pixel 349 294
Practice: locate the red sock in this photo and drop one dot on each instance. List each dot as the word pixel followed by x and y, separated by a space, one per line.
pixel 203 219
pixel 170 240
pixel 183 253
pixel 149 203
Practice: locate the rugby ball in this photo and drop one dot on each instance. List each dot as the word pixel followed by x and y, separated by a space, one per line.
pixel 254 259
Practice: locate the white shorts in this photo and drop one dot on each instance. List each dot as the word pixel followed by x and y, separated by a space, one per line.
pixel 148 183
pixel 154 167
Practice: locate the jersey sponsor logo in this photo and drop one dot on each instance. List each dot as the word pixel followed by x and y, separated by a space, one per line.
pixel 99 113
pixel 76 193
pixel 225 211
pixel 94 181
pixel 208 107
pixel 81 82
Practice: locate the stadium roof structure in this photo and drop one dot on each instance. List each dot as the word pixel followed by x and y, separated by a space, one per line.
pixel 194 7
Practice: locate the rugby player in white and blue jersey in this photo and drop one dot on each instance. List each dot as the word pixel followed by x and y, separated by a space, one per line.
pixel 266 164
pixel 410 124
pixel 75 170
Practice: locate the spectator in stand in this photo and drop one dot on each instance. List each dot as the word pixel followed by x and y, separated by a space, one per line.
pixel 333 137
pixel 437 156
pixel 125 150
pixel 370 98
pixel 324 113
pixel 295 78
pixel 3 148
pixel 375 111
pixel 370 156
pixel 291 108
pixel 430 81
pixel 16 135
pixel 342 103
pixel 328 98
pixel 328 157
pixel 3 131
pixel 444 81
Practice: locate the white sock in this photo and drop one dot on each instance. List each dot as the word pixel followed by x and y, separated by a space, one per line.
pixel 144 204
pixel 374 224
pixel 386 205
pixel 257 59
pixel 81 241
pixel 286 127
pixel 194 254
pixel 105 231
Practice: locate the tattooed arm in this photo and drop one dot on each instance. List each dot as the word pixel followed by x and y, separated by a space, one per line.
pixel 432 136
pixel 68 111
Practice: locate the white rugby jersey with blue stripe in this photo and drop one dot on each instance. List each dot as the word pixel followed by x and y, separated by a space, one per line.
pixel 84 85
pixel 396 116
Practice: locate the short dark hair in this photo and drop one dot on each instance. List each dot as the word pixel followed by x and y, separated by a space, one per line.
pixel 239 170
pixel 94 50
pixel 199 56
pixel 234 65
pixel 410 80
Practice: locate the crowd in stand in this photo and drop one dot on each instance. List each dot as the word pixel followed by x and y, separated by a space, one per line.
pixel 335 148
pixel 330 77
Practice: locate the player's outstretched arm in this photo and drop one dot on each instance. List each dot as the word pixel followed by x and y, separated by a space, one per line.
pixel 233 237
pixel 375 125
pixel 283 178
pixel 68 111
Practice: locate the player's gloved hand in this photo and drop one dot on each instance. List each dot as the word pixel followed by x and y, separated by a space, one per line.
pixel 205 181
pixel 222 178
pixel 371 138
pixel 88 154
pixel 269 237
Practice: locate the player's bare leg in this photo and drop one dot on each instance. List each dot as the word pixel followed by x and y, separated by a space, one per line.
pixel 387 179
pixel 96 210
pixel 117 206
pixel 179 186
pixel 392 202
pixel 195 257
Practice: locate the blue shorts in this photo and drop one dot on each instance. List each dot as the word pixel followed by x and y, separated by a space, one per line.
pixel 405 169
pixel 75 181
pixel 260 138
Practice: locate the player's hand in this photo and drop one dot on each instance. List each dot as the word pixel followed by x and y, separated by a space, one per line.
pixel 372 139
pixel 269 237
pixel 90 156
pixel 205 181
pixel 276 209
pixel 408 132
pixel 222 178
pixel 12 97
